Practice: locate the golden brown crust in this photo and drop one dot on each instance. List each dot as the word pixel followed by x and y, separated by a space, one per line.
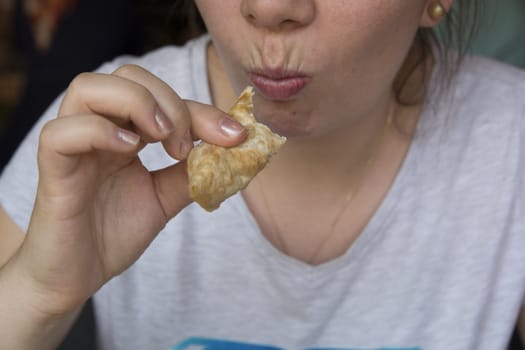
pixel 216 173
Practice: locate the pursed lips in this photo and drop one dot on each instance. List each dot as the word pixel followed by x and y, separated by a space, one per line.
pixel 277 84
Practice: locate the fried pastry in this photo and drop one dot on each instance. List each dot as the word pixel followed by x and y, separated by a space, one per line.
pixel 216 173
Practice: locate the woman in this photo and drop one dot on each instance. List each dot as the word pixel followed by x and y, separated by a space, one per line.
pixel 392 217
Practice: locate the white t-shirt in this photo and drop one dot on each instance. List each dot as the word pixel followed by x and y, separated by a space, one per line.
pixel 441 265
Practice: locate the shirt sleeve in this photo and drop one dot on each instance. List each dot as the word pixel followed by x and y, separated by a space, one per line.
pixel 19 179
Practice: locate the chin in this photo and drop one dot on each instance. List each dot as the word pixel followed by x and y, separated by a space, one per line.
pixel 287 127
pixel 284 120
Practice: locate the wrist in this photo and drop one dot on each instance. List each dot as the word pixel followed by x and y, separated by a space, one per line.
pixel 29 323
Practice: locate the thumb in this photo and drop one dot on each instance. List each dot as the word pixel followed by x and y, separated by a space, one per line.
pixel 215 126
pixel 211 125
pixel 171 185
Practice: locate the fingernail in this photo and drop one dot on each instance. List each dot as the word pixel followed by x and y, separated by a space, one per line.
pixel 128 137
pixel 230 127
pixel 163 122
pixel 186 145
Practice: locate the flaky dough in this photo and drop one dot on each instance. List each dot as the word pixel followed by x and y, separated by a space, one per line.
pixel 215 173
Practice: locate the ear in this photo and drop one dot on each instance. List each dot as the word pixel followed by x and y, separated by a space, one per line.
pixel 429 20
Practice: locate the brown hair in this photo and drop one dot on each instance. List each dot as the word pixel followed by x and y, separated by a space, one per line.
pixel 456 32
pixel 183 22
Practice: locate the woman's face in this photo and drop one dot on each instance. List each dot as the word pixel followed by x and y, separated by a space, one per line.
pixel 317 65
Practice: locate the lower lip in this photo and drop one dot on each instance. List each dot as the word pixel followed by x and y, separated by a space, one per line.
pixel 278 89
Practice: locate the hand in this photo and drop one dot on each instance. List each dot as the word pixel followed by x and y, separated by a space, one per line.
pixel 97 207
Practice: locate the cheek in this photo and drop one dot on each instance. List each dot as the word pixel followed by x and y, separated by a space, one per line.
pixel 370 42
pixel 369 30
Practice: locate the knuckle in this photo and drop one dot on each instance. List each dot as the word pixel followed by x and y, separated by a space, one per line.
pixel 141 95
pixel 101 125
pixel 79 80
pixel 128 70
pixel 187 109
pixel 46 134
pixel 143 100
pixel 78 84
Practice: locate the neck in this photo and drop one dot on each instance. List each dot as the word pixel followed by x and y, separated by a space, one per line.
pixel 315 175
pixel 335 157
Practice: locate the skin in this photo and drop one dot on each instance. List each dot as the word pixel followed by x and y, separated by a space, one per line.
pixel 358 73
pixel 89 169
pixel 343 107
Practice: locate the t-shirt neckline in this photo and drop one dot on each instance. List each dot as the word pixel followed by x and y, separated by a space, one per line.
pixel 373 231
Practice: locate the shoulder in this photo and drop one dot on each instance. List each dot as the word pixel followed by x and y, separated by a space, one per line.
pixel 484 93
pixel 477 123
pixel 493 84
pixel 495 93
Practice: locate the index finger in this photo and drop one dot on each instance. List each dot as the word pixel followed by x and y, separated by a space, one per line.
pixel 114 97
pixel 191 120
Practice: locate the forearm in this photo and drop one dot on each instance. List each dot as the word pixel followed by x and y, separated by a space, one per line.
pixel 23 326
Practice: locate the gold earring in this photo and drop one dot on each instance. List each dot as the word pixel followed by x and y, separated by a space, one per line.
pixel 436 11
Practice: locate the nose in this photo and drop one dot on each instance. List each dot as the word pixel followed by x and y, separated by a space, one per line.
pixel 278 15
